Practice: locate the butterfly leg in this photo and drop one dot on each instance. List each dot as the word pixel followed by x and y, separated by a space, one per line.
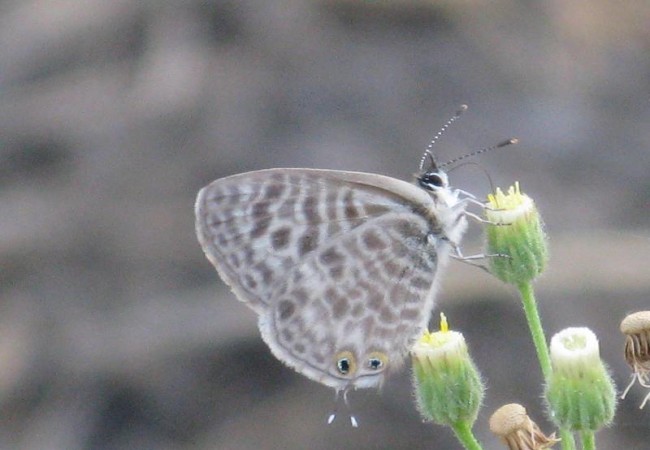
pixel 468 194
pixel 458 255
pixel 471 199
pixel 479 219
pixel 470 260
pixel 462 205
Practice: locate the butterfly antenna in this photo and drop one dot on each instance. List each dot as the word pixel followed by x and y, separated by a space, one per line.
pixel 427 151
pixel 510 141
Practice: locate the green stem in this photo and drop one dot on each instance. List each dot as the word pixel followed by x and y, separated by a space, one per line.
pixel 588 440
pixel 464 434
pixel 535 325
pixel 539 339
pixel 568 442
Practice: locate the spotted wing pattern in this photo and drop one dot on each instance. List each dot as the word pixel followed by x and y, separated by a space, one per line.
pixel 340 266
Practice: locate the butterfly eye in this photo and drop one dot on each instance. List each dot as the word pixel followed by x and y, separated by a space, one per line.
pixel 430 180
pixel 377 360
pixel 345 363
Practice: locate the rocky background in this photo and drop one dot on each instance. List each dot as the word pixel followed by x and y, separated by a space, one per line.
pixel 115 331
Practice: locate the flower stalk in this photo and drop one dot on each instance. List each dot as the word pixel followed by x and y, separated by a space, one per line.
pixel 535 325
pixel 519 246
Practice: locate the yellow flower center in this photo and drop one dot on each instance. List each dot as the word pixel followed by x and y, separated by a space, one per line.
pixel 506 208
pixel 511 200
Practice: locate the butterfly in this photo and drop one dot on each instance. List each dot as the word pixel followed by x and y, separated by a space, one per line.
pixel 340 267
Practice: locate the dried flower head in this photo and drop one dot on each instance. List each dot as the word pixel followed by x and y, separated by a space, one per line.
pixel 636 328
pixel 518 431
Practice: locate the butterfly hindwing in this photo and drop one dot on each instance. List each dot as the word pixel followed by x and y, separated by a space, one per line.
pixel 364 295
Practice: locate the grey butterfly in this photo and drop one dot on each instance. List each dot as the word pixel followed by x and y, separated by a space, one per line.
pixel 341 267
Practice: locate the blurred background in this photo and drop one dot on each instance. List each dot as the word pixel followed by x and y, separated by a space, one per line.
pixel 116 332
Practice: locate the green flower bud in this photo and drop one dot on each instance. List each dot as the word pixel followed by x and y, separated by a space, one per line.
pixel 516 232
pixel 580 392
pixel 448 386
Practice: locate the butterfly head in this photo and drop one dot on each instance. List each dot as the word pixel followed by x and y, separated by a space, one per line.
pixel 436 182
pixel 448 209
pixel 433 180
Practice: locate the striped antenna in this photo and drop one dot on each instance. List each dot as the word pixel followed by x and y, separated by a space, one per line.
pixel 510 141
pixel 427 151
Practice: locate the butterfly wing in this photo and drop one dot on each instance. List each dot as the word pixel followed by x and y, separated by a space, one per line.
pixel 335 263
pixel 358 300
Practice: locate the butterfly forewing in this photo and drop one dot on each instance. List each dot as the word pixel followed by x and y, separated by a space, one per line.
pixel 335 263
pixel 255 226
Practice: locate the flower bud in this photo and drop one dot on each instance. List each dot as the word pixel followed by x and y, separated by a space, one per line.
pixel 515 236
pixel 448 386
pixel 580 392
pixel 517 430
